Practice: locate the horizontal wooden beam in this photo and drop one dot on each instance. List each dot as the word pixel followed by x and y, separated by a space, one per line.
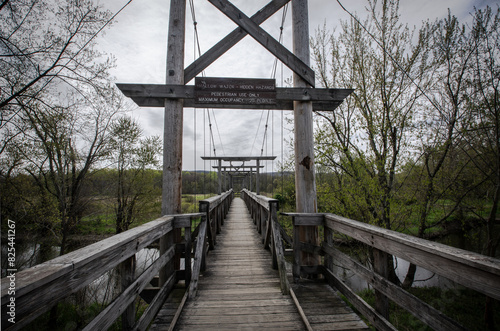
pixel 230 40
pixel 163 91
pixel 154 95
pixel 237 167
pixel 476 271
pixel 238 158
pixel 40 287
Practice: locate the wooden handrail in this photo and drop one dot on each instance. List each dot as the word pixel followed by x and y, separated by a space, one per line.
pixel 216 209
pixel 472 270
pixel 264 211
pixel 42 286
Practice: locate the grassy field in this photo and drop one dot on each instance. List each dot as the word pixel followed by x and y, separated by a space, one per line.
pixel 102 221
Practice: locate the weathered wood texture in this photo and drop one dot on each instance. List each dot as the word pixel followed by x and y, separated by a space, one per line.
pixel 165 316
pixel 230 40
pixel 40 287
pixel 324 309
pixel 469 269
pixel 264 212
pixel 420 309
pixel 472 270
pixel 293 62
pixel 173 119
pixel 186 92
pixel 321 310
pixel 154 95
pixel 216 209
pixel 305 181
pixel 239 289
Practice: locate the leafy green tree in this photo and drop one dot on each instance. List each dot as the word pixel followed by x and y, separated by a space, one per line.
pixel 366 139
pixel 133 155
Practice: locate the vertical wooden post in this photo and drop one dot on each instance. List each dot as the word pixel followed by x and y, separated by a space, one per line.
pixel 328 233
pixel 250 181
pixel 219 176
pixel 127 275
pixel 305 184
pixel 257 182
pixel 187 253
pixel 380 267
pixel 296 251
pixel 224 174
pixel 173 121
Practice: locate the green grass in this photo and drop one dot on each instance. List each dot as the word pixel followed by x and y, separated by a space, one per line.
pixel 97 224
pixel 102 221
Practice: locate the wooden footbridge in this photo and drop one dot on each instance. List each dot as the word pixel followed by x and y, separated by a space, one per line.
pixel 236 274
pixel 232 265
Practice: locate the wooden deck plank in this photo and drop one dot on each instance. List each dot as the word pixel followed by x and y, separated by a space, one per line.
pixel 324 309
pixel 240 291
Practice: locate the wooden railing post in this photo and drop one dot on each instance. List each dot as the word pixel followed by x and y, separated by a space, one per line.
pixel 297 253
pixel 166 242
pixel 127 277
pixel 380 267
pixel 278 246
pixel 199 257
pixel 205 208
pixel 328 237
pixel 187 251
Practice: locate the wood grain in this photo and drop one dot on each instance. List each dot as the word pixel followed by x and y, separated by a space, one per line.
pixel 239 289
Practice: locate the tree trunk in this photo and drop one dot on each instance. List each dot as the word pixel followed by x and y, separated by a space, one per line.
pixel 410 276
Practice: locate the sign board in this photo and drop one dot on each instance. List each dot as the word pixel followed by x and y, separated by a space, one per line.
pixel 235 91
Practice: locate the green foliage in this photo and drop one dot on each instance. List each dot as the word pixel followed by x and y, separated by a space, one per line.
pixel 463 305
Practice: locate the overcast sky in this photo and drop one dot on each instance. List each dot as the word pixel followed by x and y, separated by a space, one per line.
pixel 138 41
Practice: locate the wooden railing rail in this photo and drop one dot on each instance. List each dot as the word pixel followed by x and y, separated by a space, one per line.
pixel 41 287
pixel 216 209
pixel 264 212
pixel 472 270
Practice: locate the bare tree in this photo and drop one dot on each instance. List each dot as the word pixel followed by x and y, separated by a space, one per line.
pixel 484 135
pixel 63 144
pixel 46 47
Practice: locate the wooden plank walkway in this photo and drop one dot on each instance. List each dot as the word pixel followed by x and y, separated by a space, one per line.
pixel 240 291
pixel 324 309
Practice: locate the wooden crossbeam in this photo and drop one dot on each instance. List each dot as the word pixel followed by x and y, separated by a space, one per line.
pixel 154 95
pixel 230 40
pixel 237 167
pixel 238 158
pixel 266 40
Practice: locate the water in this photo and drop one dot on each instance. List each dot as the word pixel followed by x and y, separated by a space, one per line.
pixel 101 290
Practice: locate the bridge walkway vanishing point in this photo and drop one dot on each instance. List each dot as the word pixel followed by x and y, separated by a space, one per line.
pixel 240 291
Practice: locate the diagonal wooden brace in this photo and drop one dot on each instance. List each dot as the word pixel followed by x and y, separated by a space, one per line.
pixel 230 40
pixel 266 40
